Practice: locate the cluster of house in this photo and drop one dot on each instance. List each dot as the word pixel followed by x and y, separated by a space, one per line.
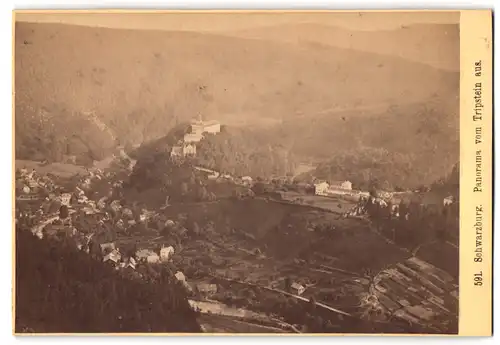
pixel 51 225
pixel 383 198
pixel 30 186
pixel 47 216
pixel 105 213
pixel 112 255
pixel 198 128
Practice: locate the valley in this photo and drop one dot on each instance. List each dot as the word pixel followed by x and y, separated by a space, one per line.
pixel 318 111
pixel 291 178
pixel 253 248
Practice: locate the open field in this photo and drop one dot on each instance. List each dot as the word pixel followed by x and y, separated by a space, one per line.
pixel 332 262
pixel 58 169
pixel 250 258
pixel 286 232
pixel 331 204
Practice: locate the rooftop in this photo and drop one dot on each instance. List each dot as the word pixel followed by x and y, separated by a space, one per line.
pixel 205 123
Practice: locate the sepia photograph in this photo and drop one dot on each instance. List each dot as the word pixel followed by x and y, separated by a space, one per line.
pixel 237 172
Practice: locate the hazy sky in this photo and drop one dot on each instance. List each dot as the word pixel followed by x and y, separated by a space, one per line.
pixel 220 22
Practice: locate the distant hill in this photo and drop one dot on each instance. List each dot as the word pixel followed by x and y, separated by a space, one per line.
pixel 437 45
pixel 405 147
pixel 140 84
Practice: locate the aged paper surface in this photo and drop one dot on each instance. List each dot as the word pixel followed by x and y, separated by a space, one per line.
pixel 476 126
pixel 264 172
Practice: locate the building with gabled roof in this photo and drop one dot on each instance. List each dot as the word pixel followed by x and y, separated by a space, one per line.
pixel 321 188
pixel 211 126
pixel 297 288
pixel 189 150
pixel 129 263
pixel 176 151
pixel 114 256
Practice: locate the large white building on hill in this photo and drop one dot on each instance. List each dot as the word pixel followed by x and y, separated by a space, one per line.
pixel 190 138
pixel 200 127
pixel 188 145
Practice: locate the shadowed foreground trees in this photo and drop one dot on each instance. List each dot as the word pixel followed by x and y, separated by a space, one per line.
pixel 60 289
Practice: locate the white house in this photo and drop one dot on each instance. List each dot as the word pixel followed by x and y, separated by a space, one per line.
pixel 247 180
pixel 166 253
pixel 321 188
pixel 189 150
pixel 153 258
pixel 102 202
pixel 132 164
pixel 298 289
pixel 197 127
pixel 212 127
pixel 346 185
pixel 343 185
pixel 200 127
pixel 448 200
pixel 176 151
pixel 180 276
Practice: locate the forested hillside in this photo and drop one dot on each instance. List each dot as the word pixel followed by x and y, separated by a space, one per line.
pixel 62 290
pixel 73 83
pixel 450 183
pixel 240 152
pixel 403 147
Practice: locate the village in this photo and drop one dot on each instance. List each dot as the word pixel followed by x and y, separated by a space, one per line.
pixel 221 264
